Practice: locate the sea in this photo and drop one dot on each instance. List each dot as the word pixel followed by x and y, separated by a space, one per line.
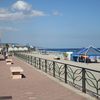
pixel 61 49
pixel 59 52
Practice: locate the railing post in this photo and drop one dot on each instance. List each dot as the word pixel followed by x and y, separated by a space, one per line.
pixel 22 57
pixel 65 73
pixel 83 80
pixel 31 60
pixel 28 58
pixel 40 63
pixel 35 61
pixel 46 66
pixel 53 69
pixel 25 57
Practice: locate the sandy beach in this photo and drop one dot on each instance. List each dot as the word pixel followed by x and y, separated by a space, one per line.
pixel 94 66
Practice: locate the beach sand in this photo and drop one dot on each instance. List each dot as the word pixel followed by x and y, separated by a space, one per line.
pixel 94 66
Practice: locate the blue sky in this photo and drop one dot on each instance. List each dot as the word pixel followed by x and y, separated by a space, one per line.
pixel 51 23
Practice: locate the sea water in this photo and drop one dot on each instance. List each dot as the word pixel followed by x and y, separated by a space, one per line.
pixel 59 52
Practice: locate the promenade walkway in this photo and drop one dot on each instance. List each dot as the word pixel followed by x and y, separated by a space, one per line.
pixel 35 85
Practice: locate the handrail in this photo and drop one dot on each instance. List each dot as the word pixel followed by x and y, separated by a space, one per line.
pixel 85 79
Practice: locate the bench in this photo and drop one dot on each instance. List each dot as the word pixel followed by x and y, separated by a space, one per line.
pixel 16 72
pixel 9 61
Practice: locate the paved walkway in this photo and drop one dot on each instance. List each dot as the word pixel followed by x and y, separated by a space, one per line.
pixel 35 85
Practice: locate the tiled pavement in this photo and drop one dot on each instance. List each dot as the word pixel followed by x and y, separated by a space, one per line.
pixel 35 85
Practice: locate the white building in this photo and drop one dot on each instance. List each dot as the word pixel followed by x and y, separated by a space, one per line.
pixel 17 49
pixel 69 55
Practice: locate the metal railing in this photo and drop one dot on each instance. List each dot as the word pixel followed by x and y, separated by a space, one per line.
pixel 86 80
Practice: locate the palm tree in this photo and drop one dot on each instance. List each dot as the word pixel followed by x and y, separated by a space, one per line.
pixel 7 46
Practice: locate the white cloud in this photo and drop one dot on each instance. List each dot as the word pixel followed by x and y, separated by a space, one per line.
pixel 19 10
pixel 21 6
pixel 6 29
pixel 57 13
pixel 3 11
pixel 7 15
pixel 37 13
pixel 20 15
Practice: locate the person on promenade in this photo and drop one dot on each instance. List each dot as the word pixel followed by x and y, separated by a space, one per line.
pixel 5 53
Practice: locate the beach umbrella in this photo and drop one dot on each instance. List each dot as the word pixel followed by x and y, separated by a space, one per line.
pixel 86 52
pixel 10 49
pixel 15 49
pixel 25 48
